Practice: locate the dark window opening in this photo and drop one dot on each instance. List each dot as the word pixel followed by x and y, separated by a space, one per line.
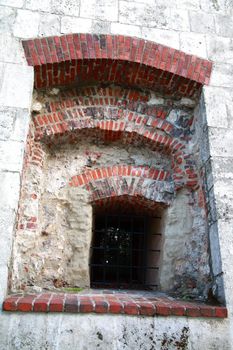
pixel 124 252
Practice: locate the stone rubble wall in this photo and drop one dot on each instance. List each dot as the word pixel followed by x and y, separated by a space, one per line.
pixel 201 28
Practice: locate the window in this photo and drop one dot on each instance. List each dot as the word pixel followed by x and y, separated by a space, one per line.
pixel 125 252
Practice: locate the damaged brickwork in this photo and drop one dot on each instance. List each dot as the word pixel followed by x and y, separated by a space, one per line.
pixel 90 146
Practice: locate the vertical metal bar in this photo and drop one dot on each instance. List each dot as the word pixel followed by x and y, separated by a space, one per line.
pixel 144 251
pixel 131 250
pixel 105 237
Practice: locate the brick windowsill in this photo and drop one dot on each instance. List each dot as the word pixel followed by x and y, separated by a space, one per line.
pixel 107 302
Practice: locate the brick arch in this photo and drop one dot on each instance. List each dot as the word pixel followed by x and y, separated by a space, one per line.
pixel 151 184
pixel 90 58
pixel 157 139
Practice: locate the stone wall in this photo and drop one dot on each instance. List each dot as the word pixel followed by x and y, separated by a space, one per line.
pixel 201 28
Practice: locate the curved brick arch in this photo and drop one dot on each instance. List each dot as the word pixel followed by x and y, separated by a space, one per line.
pixel 184 172
pixel 125 180
pixel 79 58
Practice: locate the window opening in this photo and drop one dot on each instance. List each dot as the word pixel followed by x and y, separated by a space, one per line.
pixel 124 252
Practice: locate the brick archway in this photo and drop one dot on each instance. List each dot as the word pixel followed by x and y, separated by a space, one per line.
pixel 145 183
pixel 88 58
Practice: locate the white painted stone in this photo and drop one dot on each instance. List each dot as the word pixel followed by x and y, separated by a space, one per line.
pixel 125 29
pixel 9 191
pixel 15 85
pixel 65 7
pixel 68 331
pixel 4 270
pixel 21 125
pixel 11 155
pixel 217 6
pixel 75 25
pixel 193 43
pixel 12 49
pixel 216 106
pixel 42 5
pixel 26 24
pixel 150 16
pixel 12 3
pixel 221 142
pixel 220 49
pixel 7 119
pixel 222 75
pixel 7 18
pixel 49 25
pixel 143 14
pixel 99 9
pixel 224 25
pixel 201 22
pixel 101 27
pixel 13 124
pixel 164 37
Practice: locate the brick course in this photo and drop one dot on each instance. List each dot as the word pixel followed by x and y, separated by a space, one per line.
pixel 113 303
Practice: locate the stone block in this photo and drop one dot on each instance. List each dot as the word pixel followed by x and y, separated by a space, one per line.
pixel 9 191
pixel 65 7
pixel 26 24
pixel 7 19
pixel 220 49
pixel 193 43
pixel 150 16
pixel 12 49
pixel 21 124
pixel 222 168
pixel 125 29
pixel 12 3
pixel 164 37
pixel 11 155
pixel 13 124
pixel 101 27
pixel 7 120
pixel 217 6
pixel 16 85
pixel 221 142
pixel 100 10
pixel 222 75
pixel 201 22
pixel 43 6
pixel 75 25
pixel 218 104
pixel 49 25
pixel 224 25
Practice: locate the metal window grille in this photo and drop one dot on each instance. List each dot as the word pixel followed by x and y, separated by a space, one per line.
pixel 119 253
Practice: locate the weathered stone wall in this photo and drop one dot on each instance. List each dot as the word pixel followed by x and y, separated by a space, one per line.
pixel 203 28
pixel 57 252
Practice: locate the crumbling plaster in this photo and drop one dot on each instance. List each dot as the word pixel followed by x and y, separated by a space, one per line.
pixel 209 38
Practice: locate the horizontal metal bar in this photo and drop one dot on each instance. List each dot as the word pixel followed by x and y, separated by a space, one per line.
pixel 125 266
pixel 134 250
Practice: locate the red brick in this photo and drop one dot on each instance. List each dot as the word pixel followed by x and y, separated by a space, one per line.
pixel 131 308
pixel 220 312
pixel 163 309
pixel 101 306
pixel 40 305
pixel 86 305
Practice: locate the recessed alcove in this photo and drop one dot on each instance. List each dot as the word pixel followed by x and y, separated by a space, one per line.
pixel 119 156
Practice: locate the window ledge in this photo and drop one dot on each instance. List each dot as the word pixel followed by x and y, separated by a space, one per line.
pixel 111 302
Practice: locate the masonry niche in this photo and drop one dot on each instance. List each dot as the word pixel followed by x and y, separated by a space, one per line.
pixel 114 190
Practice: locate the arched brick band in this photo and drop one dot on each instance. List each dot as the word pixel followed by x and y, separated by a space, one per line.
pixel 120 59
pixel 120 180
pixel 119 170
